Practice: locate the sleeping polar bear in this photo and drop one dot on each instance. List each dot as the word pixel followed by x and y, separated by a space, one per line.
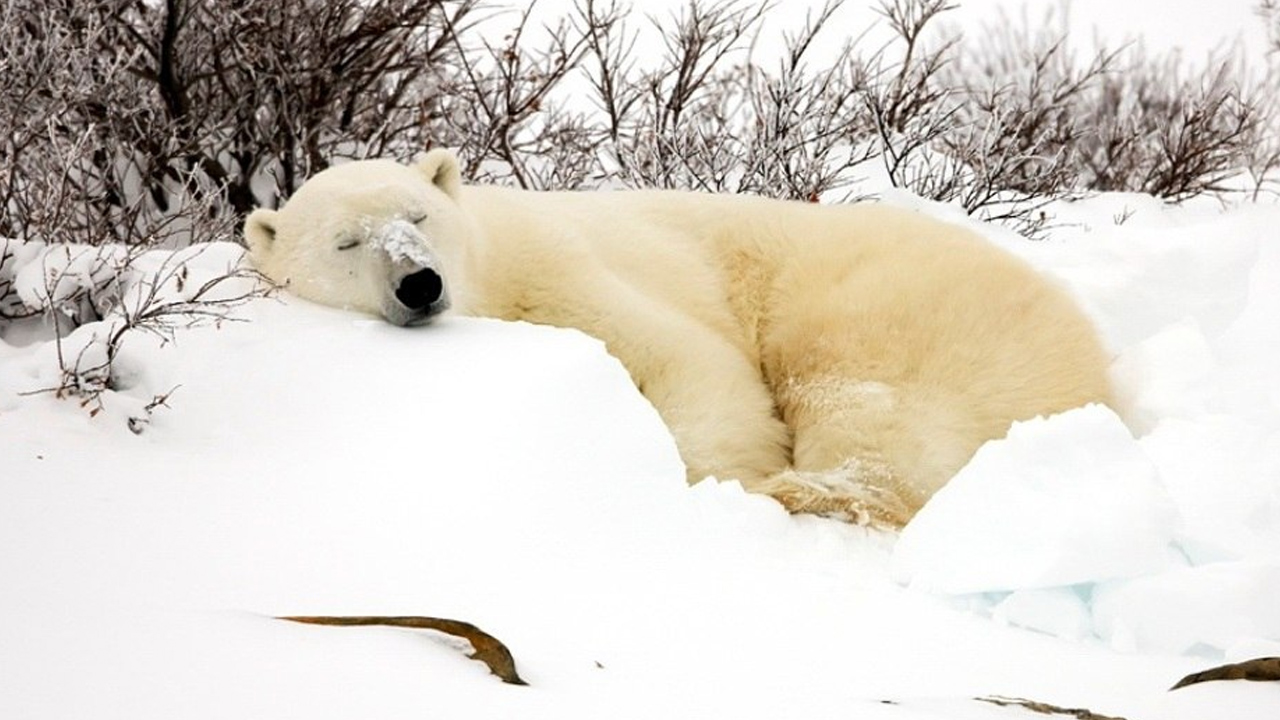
pixel 846 360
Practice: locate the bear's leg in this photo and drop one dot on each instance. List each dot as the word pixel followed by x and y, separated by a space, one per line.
pixel 863 451
pixel 710 394
pixel 868 444
pixel 717 407
pixel 843 494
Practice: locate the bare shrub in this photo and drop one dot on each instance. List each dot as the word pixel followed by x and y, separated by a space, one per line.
pixel 680 131
pixel 1005 126
pixel 984 125
pixel 118 116
pixel 1269 11
pixel 1161 128
pixel 497 108
pixel 1010 145
pixel 708 115
pixel 803 129
pixel 700 115
pixel 1029 85
pixel 59 178
pixel 155 103
pixel 96 298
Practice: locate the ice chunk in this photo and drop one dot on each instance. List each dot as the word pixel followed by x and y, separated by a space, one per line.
pixel 1061 501
pixel 1208 608
pixel 1170 374
pixel 1061 612
pixel 1221 472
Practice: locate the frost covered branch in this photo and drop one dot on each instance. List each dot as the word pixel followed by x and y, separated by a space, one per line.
pixel 163 123
pixel 1162 128
pixel 94 299
pixel 495 106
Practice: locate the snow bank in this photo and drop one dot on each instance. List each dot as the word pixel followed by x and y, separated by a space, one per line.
pixel 317 462
pixel 1063 501
pixel 1161 532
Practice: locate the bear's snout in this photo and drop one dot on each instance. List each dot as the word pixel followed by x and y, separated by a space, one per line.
pixel 420 290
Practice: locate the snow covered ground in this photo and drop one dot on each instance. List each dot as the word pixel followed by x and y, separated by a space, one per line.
pixel 317 462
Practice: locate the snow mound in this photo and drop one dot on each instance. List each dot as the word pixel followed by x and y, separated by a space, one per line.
pixel 1211 609
pixel 313 461
pixel 1061 501
pixel 1159 532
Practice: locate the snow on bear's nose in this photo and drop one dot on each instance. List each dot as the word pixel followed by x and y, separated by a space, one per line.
pixel 402 241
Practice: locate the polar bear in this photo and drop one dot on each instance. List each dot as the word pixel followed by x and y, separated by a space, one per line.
pixel 845 360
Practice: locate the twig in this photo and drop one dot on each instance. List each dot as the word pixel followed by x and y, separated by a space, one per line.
pixel 1046 709
pixel 487 649
pixel 1259 670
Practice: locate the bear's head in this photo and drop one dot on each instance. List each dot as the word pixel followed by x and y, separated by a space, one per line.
pixel 372 235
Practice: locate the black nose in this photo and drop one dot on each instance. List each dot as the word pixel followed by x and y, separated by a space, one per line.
pixel 419 290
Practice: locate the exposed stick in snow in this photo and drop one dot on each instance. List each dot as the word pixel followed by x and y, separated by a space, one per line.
pixel 488 649
pixel 1046 709
pixel 1267 668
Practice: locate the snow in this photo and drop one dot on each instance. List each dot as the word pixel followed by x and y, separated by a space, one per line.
pixel 401 240
pixel 1161 533
pixel 53 274
pixel 1061 501
pixel 312 461
pixel 1215 606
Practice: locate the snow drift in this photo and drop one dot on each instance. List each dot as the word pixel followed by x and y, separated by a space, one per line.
pixel 316 462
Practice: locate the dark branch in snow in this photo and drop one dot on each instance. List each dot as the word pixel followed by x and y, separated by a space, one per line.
pixel 1260 670
pixel 1047 709
pixel 487 649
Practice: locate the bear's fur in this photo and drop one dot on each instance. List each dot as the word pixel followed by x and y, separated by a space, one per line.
pixel 843 359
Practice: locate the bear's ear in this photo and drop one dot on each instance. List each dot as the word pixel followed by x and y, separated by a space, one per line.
pixel 441 169
pixel 260 231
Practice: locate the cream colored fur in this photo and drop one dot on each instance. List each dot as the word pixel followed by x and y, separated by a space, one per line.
pixel 843 359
